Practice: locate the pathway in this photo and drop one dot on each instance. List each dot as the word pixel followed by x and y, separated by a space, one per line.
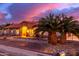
pixel 18 52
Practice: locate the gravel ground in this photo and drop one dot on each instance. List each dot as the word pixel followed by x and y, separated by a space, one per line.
pixel 40 47
pixel 25 45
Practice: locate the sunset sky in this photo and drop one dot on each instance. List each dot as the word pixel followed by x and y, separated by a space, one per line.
pixel 11 12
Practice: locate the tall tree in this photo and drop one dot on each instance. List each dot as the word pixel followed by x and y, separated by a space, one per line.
pixel 69 25
pixel 49 24
pixel 58 23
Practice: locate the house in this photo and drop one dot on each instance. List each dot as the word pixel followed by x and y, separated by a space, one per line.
pixel 23 29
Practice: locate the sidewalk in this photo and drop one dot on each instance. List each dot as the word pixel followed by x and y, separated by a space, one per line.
pixel 19 52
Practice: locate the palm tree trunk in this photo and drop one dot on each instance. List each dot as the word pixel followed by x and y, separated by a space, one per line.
pixel 63 39
pixel 52 39
pixel 49 37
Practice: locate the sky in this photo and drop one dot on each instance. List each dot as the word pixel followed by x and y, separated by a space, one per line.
pixel 17 12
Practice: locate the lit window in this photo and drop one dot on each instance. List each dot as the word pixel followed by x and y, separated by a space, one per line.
pixel 17 32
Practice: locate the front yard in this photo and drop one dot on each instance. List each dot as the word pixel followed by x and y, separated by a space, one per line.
pixel 69 48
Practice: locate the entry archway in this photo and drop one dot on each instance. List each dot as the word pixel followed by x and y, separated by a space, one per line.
pixel 23 31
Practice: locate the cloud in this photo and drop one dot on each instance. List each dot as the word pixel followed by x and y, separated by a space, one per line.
pixel 23 11
pixel 28 11
pixel 20 11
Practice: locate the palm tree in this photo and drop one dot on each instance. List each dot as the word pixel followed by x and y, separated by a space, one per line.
pixel 49 24
pixel 58 23
pixel 69 25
